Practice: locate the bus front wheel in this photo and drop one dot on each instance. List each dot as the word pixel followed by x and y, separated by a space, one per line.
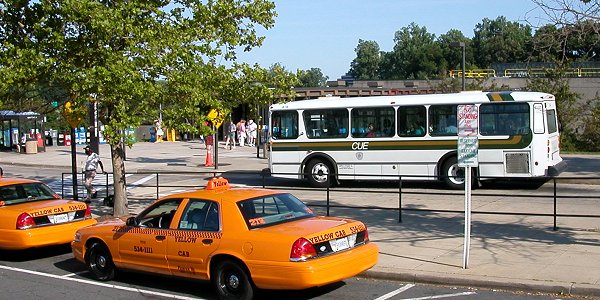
pixel 318 173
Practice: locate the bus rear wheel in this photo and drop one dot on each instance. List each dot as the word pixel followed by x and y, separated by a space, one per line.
pixel 453 175
pixel 318 173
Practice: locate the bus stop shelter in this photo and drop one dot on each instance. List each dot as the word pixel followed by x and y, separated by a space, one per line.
pixel 18 131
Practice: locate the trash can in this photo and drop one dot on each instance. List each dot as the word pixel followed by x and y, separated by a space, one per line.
pixel 31 147
pixel 49 141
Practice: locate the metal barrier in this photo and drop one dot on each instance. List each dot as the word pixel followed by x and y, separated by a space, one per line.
pixel 264 177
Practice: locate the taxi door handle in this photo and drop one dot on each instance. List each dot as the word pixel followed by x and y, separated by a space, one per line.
pixel 207 241
pixel 160 237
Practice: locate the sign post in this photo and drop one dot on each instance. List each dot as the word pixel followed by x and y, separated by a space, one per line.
pixel 468 144
pixel 216 117
pixel 74 115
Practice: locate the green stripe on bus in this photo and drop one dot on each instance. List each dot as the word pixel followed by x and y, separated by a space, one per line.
pixel 500 96
pixel 512 142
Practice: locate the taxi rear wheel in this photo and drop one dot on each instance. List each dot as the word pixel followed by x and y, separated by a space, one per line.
pixel 99 262
pixel 232 281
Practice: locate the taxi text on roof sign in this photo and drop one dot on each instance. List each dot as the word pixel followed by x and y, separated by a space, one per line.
pixel 218 183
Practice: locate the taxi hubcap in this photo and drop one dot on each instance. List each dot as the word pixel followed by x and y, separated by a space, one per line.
pixel 102 261
pixel 233 281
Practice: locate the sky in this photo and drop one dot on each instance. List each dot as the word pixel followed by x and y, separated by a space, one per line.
pixel 324 33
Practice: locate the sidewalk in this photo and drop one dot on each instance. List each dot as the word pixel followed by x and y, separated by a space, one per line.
pixel 507 252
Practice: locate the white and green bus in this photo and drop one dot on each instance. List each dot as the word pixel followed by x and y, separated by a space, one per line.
pixel 330 139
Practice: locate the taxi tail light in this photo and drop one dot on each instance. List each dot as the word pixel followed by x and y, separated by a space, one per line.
pixel 302 249
pixel 366 235
pixel 25 221
pixel 88 212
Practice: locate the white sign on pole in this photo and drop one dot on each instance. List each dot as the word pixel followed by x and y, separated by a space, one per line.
pixel 468 144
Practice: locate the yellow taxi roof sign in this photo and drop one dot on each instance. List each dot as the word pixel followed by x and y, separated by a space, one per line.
pixel 217 183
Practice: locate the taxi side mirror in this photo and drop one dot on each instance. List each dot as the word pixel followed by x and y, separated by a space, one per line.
pixel 131 221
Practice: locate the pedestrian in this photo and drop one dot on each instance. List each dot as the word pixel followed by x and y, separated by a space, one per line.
pixel 89 169
pixel 159 131
pixel 230 133
pixel 251 132
pixel 241 131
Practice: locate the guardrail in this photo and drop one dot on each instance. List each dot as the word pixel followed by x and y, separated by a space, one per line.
pixel 262 179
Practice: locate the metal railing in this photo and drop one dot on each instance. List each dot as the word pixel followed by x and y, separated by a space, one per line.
pixel 264 180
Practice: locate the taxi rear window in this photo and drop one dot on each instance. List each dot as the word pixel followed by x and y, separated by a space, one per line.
pixel 26 192
pixel 273 209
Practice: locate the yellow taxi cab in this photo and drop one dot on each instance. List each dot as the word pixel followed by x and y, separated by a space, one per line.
pixel 239 238
pixel 32 215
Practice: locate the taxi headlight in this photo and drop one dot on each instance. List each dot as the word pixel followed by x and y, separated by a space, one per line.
pixel 77 237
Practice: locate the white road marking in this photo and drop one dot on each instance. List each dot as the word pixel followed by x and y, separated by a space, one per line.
pixel 75 274
pixel 443 296
pixel 107 285
pixel 396 292
pixel 143 180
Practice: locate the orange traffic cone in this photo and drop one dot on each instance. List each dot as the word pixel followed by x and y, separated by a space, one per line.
pixel 209 160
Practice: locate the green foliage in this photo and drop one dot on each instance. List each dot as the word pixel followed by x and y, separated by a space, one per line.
pixel 311 78
pixel 499 40
pixel 415 55
pixel 131 56
pixel 591 134
pixel 367 63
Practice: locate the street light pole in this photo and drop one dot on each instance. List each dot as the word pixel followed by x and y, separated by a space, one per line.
pixel 461 45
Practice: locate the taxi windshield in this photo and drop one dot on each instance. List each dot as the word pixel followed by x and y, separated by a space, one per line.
pixel 25 192
pixel 273 209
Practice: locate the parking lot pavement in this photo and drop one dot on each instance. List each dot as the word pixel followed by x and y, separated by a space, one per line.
pixel 507 252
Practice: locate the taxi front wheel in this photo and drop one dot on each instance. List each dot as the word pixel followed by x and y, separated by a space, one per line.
pixel 232 281
pixel 99 262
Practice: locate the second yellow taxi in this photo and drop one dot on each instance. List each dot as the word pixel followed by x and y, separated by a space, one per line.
pixel 239 238
pixel 32 215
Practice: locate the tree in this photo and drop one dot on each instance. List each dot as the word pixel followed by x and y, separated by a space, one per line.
pixel 498 41
pixel 415 55
pixel 311 78
pixel 452 57
pixel 129 56
pixel 367 62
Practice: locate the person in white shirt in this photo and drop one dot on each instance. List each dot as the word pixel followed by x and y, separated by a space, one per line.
pixel 89 169
pixel 251 130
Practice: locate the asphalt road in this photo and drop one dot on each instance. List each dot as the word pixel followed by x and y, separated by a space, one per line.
pixel 52 273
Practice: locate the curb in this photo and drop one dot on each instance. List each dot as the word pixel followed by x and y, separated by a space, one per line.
pixel 550 287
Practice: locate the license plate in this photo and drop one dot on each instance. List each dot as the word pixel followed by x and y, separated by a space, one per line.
pixel 339 244
pixel 62 218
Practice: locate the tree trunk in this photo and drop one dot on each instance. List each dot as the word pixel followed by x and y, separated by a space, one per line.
pixel 120 204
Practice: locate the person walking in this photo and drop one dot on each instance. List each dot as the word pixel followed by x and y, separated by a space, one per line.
pixel 159 131
pixel 230 133
pixel 241 131
pixel 251 132
pixel 91 166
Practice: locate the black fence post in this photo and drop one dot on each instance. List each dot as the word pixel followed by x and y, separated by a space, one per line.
pixel 107 190
pixel 554 181
pixel 328 201
pixel 157 186
pixel 62 185
pixel 399 199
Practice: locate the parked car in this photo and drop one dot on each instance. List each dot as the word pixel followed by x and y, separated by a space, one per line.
pixel 33 215
pixel 239 238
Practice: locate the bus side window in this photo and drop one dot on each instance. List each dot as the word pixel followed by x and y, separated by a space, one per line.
pixel 411 121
